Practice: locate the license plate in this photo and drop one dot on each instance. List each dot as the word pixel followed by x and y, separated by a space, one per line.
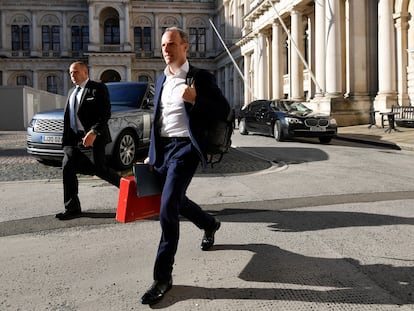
pixel 317 129
pixel 52 139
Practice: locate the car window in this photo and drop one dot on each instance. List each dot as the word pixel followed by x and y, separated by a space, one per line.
pixel 295 106
pixel 280 106
pixel 276 106
pixel 258 105
pixel 130 95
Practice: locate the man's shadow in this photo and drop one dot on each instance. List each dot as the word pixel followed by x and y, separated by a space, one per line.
pixel 302 221
pixel 335 280
pixel 297 277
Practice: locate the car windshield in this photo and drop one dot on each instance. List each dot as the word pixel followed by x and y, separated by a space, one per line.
pixel 289 106
pixel 130 95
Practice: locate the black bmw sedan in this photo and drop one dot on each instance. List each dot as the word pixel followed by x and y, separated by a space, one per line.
pixel 285 119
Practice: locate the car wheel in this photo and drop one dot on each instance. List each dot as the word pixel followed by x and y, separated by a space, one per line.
pixel 125 150
pixel 325 140
pixel 242 127
pixel 277 131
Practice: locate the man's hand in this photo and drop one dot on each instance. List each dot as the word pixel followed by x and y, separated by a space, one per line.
pixel 189 93
pixel 89 139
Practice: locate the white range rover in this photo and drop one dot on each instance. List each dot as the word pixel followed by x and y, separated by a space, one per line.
pixel 130 124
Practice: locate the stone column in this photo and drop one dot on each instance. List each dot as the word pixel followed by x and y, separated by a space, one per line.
pixel 277 66
pixel 157 37
pixel 401 24
pixel 357 54
pixel 36 37
pixel 261 77
pixel 255 74
pixel 127 47
pixel 65 36
pixel 237 88
pixel 309 84
pixel 67 82
pixel 410 65
pixel 247 90
pixel 296 74
pixel 320 47
pixel 93 45
pixel 3 44
pixel 387 95
pixel 333 49
pixel 227 79
pixel 35 77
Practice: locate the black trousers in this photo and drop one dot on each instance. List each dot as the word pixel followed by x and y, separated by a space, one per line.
pixel 180 162
pixel 87 161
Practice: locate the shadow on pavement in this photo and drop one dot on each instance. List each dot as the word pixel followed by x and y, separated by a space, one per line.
pixel 373 140
pixel 272 264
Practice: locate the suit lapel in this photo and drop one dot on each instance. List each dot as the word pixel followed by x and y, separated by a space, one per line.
pixel 86 90
pixel 157 95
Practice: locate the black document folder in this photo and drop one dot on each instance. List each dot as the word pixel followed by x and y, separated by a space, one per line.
pixel 146 180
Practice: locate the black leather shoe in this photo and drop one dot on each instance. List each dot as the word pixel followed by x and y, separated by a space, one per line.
pixel 69 214
pixel 156 292
pixel 208 238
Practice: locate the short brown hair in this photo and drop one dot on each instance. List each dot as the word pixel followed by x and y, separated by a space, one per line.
pixel 183 34
pixel 80 63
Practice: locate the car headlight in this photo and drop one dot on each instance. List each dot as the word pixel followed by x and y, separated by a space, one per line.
pixel 332 121
pixel 293 120
pixel 32 123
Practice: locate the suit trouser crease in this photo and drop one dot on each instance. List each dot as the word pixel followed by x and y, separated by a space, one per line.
pixel 84 161
pixel 177 170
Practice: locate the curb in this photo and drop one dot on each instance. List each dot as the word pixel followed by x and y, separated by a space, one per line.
pixel 376 143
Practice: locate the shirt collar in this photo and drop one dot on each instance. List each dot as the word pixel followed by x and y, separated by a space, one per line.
pixel 181 73
pixel 83 84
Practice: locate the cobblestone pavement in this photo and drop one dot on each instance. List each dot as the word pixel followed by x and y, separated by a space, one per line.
pixel 16 164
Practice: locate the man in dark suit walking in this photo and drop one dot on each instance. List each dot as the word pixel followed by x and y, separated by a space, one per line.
pixel 177 146
pixel 85 136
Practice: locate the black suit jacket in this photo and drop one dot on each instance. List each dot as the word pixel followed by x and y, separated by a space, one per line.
pixel 94 113
pixel 209 104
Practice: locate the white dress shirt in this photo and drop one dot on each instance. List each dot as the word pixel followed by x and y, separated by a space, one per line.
pixel 173 117
pixel 78 99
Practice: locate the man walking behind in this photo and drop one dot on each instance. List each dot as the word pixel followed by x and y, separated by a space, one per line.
pixel 85 135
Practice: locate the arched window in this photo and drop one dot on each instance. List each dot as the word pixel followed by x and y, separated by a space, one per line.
pixel 111 31
pixel 52 84
pixel 51 38
pixel 143 78
pixel 79 33
pixel 20 33
pixel 197 37
pixel 142 38
pixel 20 37
pixel 110 76
pixel 80 38
pixel 50 33
pixel 21 80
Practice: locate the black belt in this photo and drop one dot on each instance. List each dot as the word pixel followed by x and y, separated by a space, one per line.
pixel 166 140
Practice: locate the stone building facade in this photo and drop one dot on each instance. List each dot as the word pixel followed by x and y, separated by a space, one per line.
pixel 345 57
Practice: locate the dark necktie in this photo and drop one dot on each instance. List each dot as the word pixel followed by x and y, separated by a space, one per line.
pixel 72 109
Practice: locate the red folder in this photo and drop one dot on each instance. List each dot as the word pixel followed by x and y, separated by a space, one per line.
pixel 130 207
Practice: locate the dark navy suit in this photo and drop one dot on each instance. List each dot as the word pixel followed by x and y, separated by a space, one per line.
pixel 176 161
pixel 94 112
